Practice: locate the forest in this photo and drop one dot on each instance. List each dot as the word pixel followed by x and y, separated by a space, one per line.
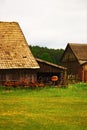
pixel 44 53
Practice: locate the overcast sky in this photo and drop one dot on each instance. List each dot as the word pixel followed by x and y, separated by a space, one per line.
pixel 50 23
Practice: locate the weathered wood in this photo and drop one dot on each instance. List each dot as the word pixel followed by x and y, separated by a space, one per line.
pixel 19 76
pixel 75 61
pixel 47 70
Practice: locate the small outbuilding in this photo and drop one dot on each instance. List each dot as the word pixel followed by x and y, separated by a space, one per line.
pixel 17 63
pixel 75 59
pixel 50 73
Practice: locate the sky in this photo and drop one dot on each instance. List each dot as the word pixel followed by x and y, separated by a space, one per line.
pixel 48 23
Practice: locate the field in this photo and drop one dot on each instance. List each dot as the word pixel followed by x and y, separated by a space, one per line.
pixel 44 108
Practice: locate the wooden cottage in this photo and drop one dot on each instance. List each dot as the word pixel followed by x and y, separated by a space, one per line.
pixel 75 59
pixel 16 60
pixel 48 70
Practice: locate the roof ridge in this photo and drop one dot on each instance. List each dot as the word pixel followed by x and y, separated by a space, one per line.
pixel 8 22
pixel 77 44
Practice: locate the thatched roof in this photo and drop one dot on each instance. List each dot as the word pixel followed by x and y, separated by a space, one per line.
pixel 80 51
pixel 51 64
pixel 14 50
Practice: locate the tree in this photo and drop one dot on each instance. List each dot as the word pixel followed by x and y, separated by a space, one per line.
pixel 46 56
pixel 44 53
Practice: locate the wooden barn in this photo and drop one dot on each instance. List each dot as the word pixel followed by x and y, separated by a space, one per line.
pixel 48 70
pixel 75 59
pixel 16 60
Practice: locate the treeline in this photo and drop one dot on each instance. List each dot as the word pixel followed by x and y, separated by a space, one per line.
pixel 44 53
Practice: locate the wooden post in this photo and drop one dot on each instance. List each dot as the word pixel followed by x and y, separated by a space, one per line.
pixel 82 75
pixel 83 69
pixel 65 78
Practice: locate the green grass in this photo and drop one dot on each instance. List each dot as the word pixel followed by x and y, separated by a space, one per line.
pixel 44 108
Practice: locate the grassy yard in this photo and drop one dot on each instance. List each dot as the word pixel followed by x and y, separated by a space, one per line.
pixel 44 108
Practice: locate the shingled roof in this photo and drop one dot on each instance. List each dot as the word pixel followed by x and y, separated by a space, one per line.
pixel 14 50
pixel 80 51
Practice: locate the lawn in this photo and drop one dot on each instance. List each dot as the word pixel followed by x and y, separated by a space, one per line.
pixel 44 108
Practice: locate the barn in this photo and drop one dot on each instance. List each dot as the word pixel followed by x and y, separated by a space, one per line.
pixel 48 70
pixel 75 59
pixel 16 60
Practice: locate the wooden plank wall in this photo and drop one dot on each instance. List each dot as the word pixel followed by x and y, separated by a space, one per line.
pixel 17 75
